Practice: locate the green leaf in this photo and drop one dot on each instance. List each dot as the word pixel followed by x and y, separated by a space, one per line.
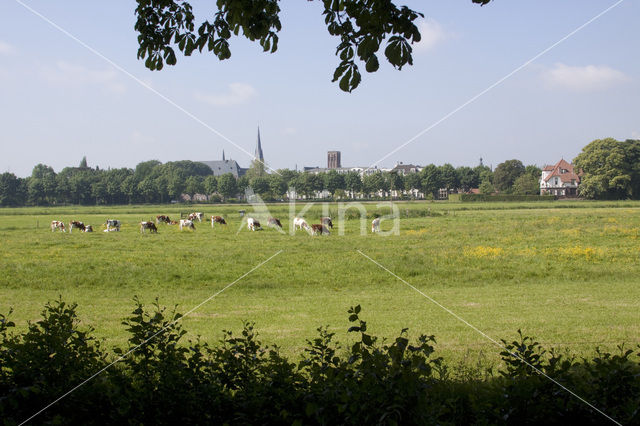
pixel 372 64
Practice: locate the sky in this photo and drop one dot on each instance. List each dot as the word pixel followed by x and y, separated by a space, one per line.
pixel 60 100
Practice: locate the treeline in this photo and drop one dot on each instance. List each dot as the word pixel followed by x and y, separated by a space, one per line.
pixel 163 380
pixel 611 169
pixel 154 182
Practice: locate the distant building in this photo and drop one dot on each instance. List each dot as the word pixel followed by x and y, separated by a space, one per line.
pixel 560 180
pixel 224 166
pixel 405 169
pixel 258 154
pixel 221 167
pixel 362 171
pixel 333 160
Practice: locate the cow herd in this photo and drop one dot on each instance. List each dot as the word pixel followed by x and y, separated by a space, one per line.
pixel 113 225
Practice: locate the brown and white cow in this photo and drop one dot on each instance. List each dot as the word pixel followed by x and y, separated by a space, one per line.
pixel 217 219
pixel 162 219
pixel 318 228
pixel 77 225
pixel 253 224
pixel 56 224
pixel 274 222
pixel 187 223
pixel 148 225
pixel 196 215
pixel 299 222
pixel 327 221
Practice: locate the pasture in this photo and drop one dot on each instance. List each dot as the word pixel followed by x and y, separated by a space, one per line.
pixel 565 272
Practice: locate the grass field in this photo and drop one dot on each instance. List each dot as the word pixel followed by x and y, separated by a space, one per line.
pixel 565 272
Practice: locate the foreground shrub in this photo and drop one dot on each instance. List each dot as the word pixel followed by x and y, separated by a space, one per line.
pixel 160 379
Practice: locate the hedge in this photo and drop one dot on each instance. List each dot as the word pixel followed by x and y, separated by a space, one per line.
pixel 160 379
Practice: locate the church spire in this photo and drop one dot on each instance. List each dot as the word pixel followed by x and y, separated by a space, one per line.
pixel 223 159
pixel 258 155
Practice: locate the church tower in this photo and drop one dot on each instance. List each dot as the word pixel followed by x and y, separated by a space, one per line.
pixel 258 155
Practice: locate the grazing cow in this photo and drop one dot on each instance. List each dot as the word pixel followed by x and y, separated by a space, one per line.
pixel 253 224
pixel 217 219
pixel 113 225
pixel 196 215
pixel 162 219
pixel 319 228
pixel 88 228
pixel 299 222
pixel 375 225
pixel 274 222
pixel 187 223
pixel 56 224
pixel 76 224
pixel 148 225
pixel 327 221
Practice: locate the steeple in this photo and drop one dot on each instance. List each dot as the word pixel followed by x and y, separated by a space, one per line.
pixel 223 159
pixel 258 155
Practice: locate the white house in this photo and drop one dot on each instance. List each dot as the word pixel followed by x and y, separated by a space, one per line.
pixel 560 180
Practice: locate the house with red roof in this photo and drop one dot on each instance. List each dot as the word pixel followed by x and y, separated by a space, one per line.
pixel 560 179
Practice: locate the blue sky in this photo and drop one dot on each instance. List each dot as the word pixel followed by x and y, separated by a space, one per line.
pixel 59 101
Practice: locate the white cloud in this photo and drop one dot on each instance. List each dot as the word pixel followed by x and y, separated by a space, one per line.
pixel 6 48
pixel 238 93
pixel 582 79
pixel 69 74
pixel 432 34
pixel 635 135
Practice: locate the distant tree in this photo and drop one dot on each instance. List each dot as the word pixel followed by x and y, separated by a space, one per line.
pixel 257 169
pixel 396 181
pixel 486 187
pixel 242 183
pixel 353 182
pixel 506 174
pixel 277 185
pixel 611 167
pixel 449 177
pixel 484 173
pixel 314 182
pixel 145 168
pixel 333 181
pixel 99 192
pixel 468 178
pixel 210 184
pixel 190 168
pixel 373 183
pixel 413 182
pixel 260 185
pixel 42 185
pixel 526 184
pixel 83 163
pixel 129 188
pixel 227 186
pixel 533 170
pixel 431 180
pixel 176 183
pixel 148 190
pixel 113 182
pixel 9 190
pixel 193 185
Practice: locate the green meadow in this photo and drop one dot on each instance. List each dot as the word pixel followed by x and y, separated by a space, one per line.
pixel 567 273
